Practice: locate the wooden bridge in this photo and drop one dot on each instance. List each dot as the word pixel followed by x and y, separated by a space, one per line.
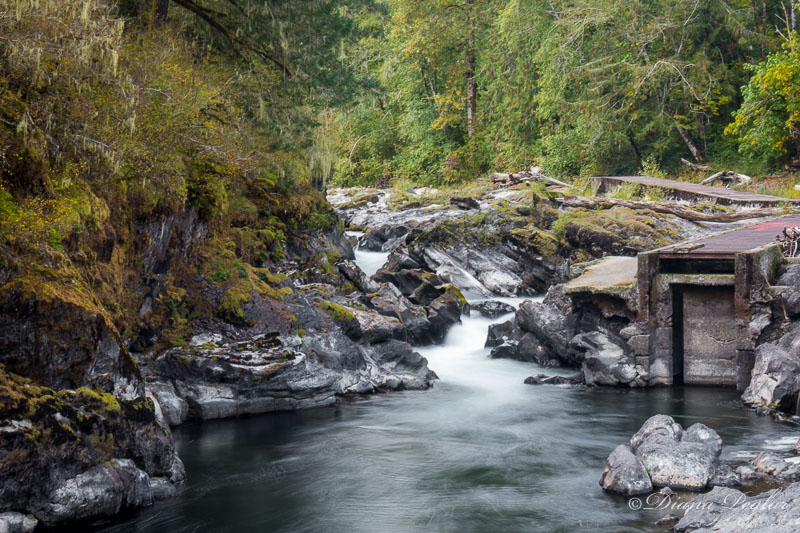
pixel 692 192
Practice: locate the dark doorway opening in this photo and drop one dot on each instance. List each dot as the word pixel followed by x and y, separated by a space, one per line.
pixel 677 335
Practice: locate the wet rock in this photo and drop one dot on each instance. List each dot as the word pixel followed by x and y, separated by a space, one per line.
pixel 498 332
pixel 357 277
pixel 376 238
pixel 775 381
pixel 674 458
pixel 390 301
pixel 547 322
pixel 427 292
pixel 405 363
pixel 103 490
pixel 625 474
pixel 731 511
pixel 769 463
pixel 725 476
pixel 543 379
pixel 406 280
pixel 492 308
pixel 445 311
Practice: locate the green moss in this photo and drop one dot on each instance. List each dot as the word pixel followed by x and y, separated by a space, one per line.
pixel 100 400
pixel 546 244
pixel 339 312
pixel 103 444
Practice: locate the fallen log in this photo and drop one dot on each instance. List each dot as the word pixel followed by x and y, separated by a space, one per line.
pixel 695 166
pixel 678 210
pixel 727 177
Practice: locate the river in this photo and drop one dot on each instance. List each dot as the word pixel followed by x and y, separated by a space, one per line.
pixel 480 452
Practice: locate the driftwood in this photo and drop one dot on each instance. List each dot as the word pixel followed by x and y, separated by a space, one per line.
pixel 678 210
pixel 790 240
pixel 695 166
pixel 728 178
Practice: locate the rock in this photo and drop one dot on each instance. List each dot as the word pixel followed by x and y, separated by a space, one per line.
pixel 445 311
pixel 674 458
pixel 769 463
pixel 656 427
pixel 704 435
pixel 17 523
pixel 725 476
pixel 376 327
pixel 543 379
pixel 406 280
pixel 357 277
pixel 775 381
pixel 498 333
pixel 731 511
pixel 405 363
pixel 103 490
pixel 605 362
pixel 492 308
pixel 465 203
pixel 428 292
pixel 375 238
pixel 390 301
pixel 625 473
pixel 668 520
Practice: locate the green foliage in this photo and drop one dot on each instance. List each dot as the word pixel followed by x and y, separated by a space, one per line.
pixel 627 191
pixel 768 122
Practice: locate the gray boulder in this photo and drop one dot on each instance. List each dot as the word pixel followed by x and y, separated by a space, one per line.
pixel 684 460
pixel 775 381
pixel 492 308
pixel 625 473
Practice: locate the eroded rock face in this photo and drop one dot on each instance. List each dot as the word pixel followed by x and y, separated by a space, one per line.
pixel 102 490
pixel 625 473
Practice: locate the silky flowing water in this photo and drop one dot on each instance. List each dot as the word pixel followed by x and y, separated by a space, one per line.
pixel 480 452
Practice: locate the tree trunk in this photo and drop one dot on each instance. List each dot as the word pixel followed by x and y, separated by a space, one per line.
pixel 678 210
pixel 162 8
pixel 635 150
pixel 472 105
pixel 687 139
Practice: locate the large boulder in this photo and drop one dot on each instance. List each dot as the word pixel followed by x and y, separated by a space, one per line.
pixel 492 308
pixel 389 301
pixel 625 473
pixel 678 459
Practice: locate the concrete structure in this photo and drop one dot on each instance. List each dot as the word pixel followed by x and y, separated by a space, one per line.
pixel 702 305
pixel 692 192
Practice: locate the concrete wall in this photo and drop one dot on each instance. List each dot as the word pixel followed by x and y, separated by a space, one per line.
pixel 710 336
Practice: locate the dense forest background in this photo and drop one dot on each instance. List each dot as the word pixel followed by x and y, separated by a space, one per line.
pixel 215 103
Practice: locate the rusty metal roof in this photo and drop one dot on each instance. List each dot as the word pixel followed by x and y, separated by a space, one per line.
pixel 727 245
